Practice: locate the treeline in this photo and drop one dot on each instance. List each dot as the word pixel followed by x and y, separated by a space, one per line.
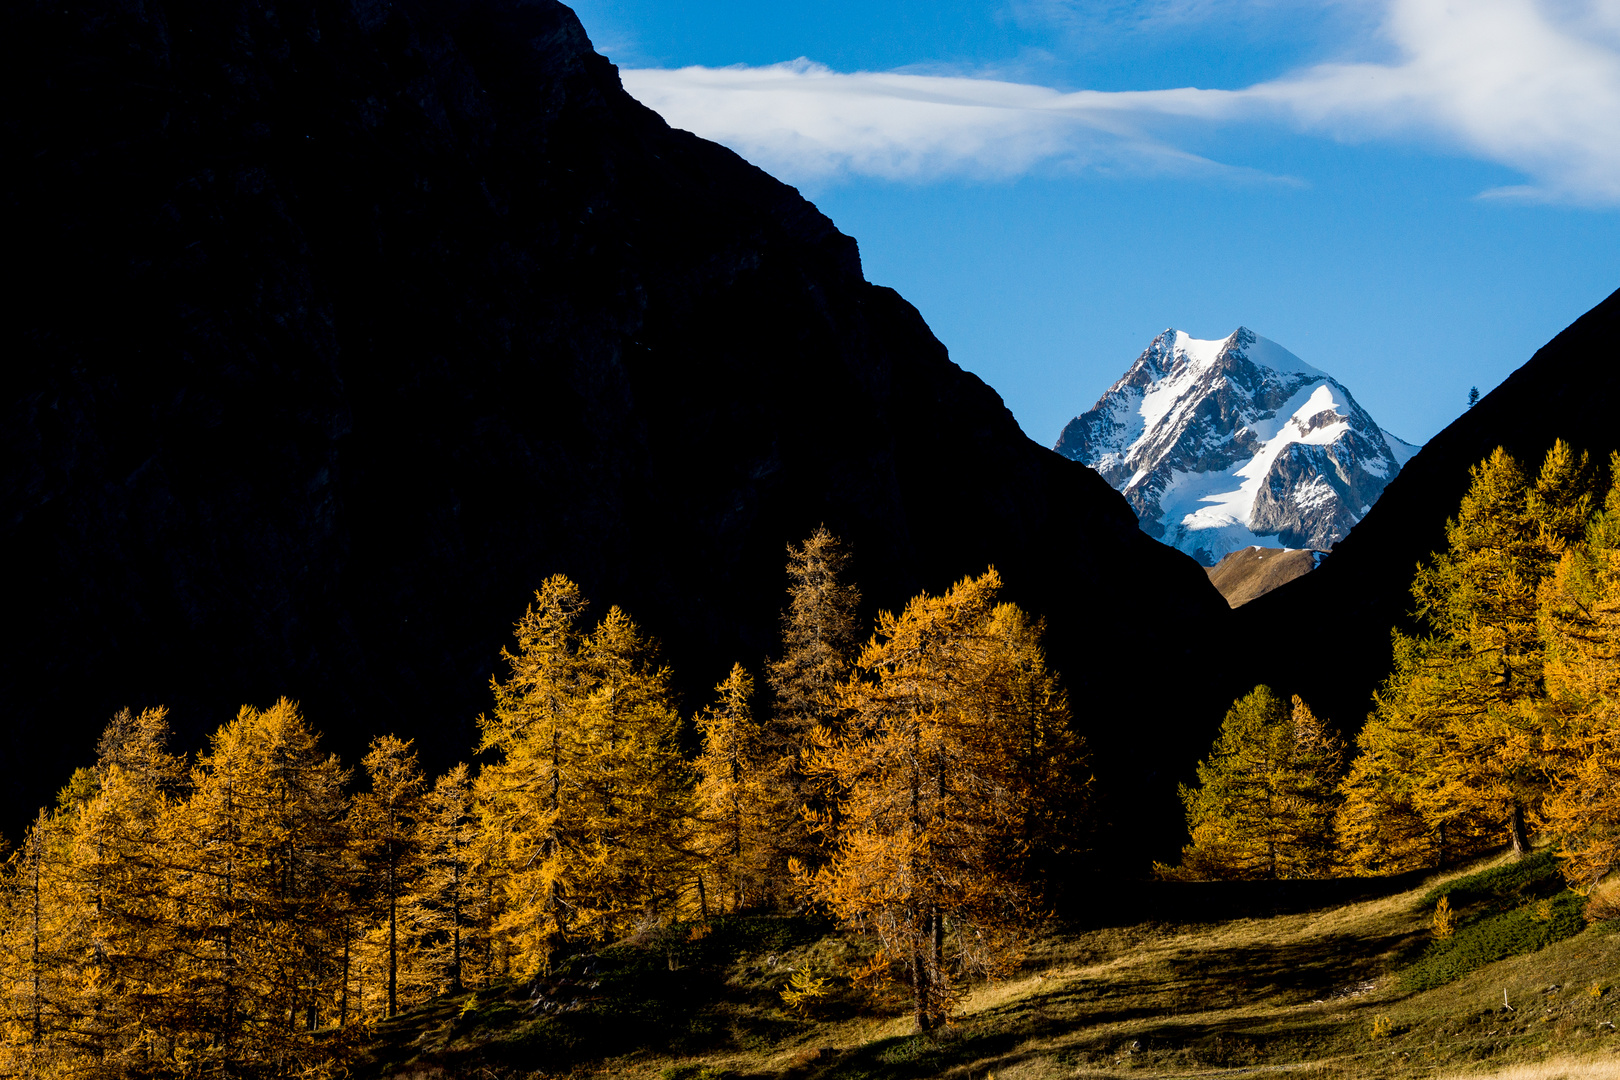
pixel 1501 718
pixel 250 913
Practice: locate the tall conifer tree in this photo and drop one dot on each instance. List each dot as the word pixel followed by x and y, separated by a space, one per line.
pixel 590 783
pixel 39 986
pixel 119 879
pixel 262 849
pixel 742 805
pixel 449 900
pixel 1460 712
pixel 820 640
pixel 931 835
pixel 385 825
pixel 1580 624
pixel 1263 806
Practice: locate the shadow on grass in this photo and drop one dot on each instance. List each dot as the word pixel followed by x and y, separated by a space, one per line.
pixel 1003 1038
pixel 1290 974
pixel 1099 903
pixel 678 992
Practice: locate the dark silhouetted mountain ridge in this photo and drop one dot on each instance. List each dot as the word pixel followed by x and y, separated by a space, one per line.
pixel 1570 390
pixel 336 325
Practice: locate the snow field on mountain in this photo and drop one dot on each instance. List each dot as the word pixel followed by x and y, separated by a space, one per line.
pixel 1198 435
pixel 1208 505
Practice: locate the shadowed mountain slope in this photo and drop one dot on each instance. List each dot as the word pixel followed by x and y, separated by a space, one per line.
pixel 339 324
pixel 1570 389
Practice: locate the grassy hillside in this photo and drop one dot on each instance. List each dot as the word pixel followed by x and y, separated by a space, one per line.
pixel 1319 979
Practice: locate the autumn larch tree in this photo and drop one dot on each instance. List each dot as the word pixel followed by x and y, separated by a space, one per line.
pixel 119 875
pixel 1265 798
pixel 1580 625
pixel 590 783
pixel 820 639
pixel 930 835
pixel 448 899
pixel 742 801
pixel 385 824
pixel 262 861
pixel 39 980
pixel 1455 739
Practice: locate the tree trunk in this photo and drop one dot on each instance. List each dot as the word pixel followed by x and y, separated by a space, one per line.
pixel 343 998
pixel 938 943
pixel 919 989
pixel 455 921
pixel 393 945
pixel 39 1025
pixel 1516 831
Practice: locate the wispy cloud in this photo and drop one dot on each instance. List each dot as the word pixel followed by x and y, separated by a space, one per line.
pixel 1531 85
pixel 810 121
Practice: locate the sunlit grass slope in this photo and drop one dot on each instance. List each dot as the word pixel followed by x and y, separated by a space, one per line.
pixel 1312 979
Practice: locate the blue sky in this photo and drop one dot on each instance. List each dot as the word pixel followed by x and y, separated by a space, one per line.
pixel 1413 195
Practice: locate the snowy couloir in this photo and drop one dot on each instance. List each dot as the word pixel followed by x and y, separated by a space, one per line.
pixel 1221 445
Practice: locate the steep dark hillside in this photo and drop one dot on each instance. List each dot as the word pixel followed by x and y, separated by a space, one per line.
pixel 335 325
pixel 1570 389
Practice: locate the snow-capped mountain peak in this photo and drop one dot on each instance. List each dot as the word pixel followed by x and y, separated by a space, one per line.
pixel 1221 445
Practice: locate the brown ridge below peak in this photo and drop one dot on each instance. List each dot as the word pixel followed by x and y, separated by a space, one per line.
pixel 1254 571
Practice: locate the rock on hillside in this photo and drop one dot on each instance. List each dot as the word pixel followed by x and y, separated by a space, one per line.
pixel 1570 389
pixel 336 325
pixel 1222 445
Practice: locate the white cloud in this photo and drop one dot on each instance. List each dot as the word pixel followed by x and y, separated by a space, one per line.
pixel 1530 84
pixel 809 121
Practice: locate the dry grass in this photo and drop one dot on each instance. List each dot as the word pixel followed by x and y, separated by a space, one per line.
pixel 1311 993
pixel 1554 1069
pixel 1292 994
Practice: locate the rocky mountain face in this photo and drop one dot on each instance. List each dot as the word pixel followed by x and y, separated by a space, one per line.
pixel 1570 389
pixel 336 325
pixel 1222 445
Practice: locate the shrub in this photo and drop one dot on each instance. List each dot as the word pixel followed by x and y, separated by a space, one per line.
pixel 1515 878
pixel 1603 904
pixel 1445 922
pixel 1512 933
pixel 804 990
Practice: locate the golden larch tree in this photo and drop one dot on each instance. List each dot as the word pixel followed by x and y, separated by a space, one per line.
pixel 932 833
pixel 261 883
pixel 820 639
pixel 39 952
pixel 449 897
pixel 1465 700
pixel 1580 624
pixel 741 801
pixel 118 879
pixel 384 823
pixel 1265 798
pixel 590 781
